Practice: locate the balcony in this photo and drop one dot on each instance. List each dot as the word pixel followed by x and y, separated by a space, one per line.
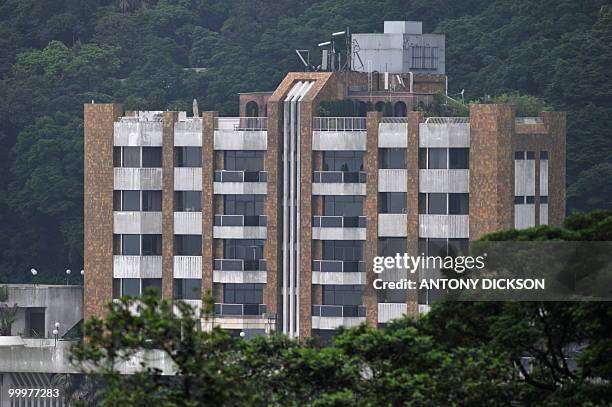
pixel 392 225
pixel 338 272
pixel 239 227
pixel 240 182
pixel 335 316
pixel 187 223
pixel 187 267
pixel 392 134
pixel 137 266
pixel 339 228
pixel 338 183
pixel 135 179
pixel 240 310
pixel 187 179
pixel 392 180
pixel 339 134
pixel 188 133
pixel 239 271
pixel 131 132
pixel 453 180
pixel 445 132
pixel 444 226
pixel 241 133
pixel 391 311
pixel 128 222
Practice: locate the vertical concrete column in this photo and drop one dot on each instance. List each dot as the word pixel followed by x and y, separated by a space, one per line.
pixel 305 203
pixel 273 211
pixel 555 123
pixel 412 197
pixel 208 131
pixel 99 122
pixel 168 204
pixel 370 298
pixel 491 169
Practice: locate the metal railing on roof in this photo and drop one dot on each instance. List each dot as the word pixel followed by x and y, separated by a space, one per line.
pixel 447 120
pixel 241 123
pixel 338 311
pixel 339 123
pixel 394 120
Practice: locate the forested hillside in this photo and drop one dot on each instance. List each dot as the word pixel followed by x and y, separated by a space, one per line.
pixel 56 55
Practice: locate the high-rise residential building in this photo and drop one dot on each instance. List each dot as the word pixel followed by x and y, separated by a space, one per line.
pixel 280 212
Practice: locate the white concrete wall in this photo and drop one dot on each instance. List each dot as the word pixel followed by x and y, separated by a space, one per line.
pixel 392 225
pixel 339 140
pixel 240 188
pixel 188 133
pixel 240 140
pixel 138 179
pixel 338 233
pixel 187 179
pixel 336 322
pixel 137 266
pixel 543 214
pixel 137 223
pixel 240 277
pixel 239 232
pixel 393 135
pixel 187 223
pixel 444 226
pixel 187 267
pixel 389 311
pixel 454 181
pixel 444 135
pixel 392 180
pixel 543 177
pixel 338 278
pixel 524 177
pixel 323 188
pixel 133 133
pixel 524 216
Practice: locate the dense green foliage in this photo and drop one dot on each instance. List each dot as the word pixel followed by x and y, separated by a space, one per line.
pixel 58 54
pixel 459 354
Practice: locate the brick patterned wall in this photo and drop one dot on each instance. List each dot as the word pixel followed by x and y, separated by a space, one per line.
pixel 491 169
pixel 208 128
pixel 370 209
pixel 555 123
pixel 168 205
pixel 412 197
pixel 98 205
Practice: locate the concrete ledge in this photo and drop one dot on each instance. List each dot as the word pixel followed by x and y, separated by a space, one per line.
pixel 187 223
pixel 338 278
pixel 354 140
pixel 135 133
pixel 338 233
pixel 239 232
pixel 322 188
pixel 188 133
pixel 336 322
pixel 133 179
pixel 392 180
pixel 444 226
pixel 188 179
pixel 137 266
pixel 240 140
pixel 393 135
pixel 389 311
pixel 240 277
pixel 187 267
pixel 454 181
pixel 392 225
pixel 137 223
pixel 240 188
pixel 444 135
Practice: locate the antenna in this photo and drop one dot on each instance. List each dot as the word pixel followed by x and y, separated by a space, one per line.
pixel 306 61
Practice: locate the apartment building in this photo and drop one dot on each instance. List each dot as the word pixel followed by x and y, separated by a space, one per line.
pixel 280 212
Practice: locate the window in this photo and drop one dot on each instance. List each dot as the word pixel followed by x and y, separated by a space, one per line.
pixel 130 287
pixel 390 246
pixel 341 205
pixel 444 247
pixel 530 155
pixel 458 204
pixel 244 160
pixel 392 158
pixel 151 157
pixel 391 296
pixel 188 289
pixel 347 161
pixel 519 155
pixel 436 204
pixel 152 284
pixel 187 245
pixel 543 155
pixel 249 205
pixel 188 201
pixel 126 200
pixel 187 156
pixel 519 200
pixel 130 157
pixel 346 250
pixel 126 245
pixel 543 199
pixel 245 249
pixel 392 202
pixel 530 199
pixel 243 293
pixel 151 201
pixel 459 158
pixel 342 294
pixel 151 245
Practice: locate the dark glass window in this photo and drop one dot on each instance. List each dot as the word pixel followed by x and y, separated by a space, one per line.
pixel 126 200
pixel 187 156
pixel 391 158
pixel 458 247
pixel 342 294
pixel 116 288
pixel 519 200
pixel 422 203
pixel 151 201
pixel 244 160
pixel 458 204
pixel 151 157
pixel 459 158
pixel 130 287
pixel 436 204
pixel 436 247
pixel 153 284
pixel 543 199
pixel 187 245
pixel 530 199
pixel 130 157
pixel 188 289
pixel 342 205
pixel 188 201
pixel 347 250
pixel 245 249
pixel 249 205
pixel 347 161
pixel 116 157
pixel 519 155
pixel 392 202
pixel 422 158
pixel 437 158
pixel 130 245
pixel 391 296
pixel 243 293
pixel 390 246
pixel 151 245
pixel 543 155
pixel 531 155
